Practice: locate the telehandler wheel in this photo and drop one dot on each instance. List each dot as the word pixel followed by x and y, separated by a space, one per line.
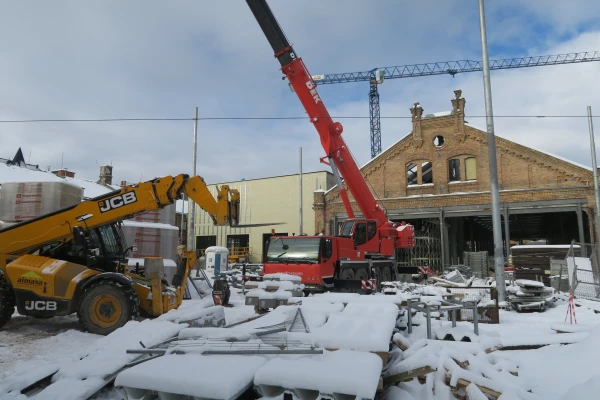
pixel 106 306
pixel 7 302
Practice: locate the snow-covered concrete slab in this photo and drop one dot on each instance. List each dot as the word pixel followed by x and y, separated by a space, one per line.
pixel 361 326
pixel 220 377
pixel 342 372
pixel 106 356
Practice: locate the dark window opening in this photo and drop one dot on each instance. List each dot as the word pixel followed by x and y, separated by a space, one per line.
pixel 438 141
pixel 427 172
pixel 372 230
pixel 360 233
pixel 411 174
pixel 454 170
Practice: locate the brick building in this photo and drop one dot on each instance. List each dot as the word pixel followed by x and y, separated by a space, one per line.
pixel 437 178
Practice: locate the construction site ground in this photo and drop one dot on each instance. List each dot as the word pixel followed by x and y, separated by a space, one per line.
pixel 548 357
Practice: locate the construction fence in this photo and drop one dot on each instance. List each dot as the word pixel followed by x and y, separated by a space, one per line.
pixel 487 303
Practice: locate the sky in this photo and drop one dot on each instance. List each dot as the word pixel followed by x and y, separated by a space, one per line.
pixel 157 59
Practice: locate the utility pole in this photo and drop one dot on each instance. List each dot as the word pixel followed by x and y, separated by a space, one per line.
pixel 595 169
pixel 191 245
pixel 493 166
pixel 301 191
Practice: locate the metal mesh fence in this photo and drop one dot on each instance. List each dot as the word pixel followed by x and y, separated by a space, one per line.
pixel 487 303
pixel 583 270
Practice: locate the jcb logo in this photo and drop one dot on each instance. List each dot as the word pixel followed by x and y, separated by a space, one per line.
pixel 117 201
pixel 40 305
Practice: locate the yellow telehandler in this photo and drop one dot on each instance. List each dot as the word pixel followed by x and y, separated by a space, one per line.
pixel 74 260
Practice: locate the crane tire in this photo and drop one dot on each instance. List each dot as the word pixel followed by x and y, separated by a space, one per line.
pixel 7 302
pixel 106 306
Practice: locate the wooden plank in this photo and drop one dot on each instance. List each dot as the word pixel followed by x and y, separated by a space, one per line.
pixel 408 375
pixel 464 383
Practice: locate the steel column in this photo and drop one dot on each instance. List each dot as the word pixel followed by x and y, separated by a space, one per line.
pixel 507 230
pixel 493 166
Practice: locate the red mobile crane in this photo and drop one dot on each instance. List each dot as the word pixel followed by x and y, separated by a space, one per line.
pixel 365 248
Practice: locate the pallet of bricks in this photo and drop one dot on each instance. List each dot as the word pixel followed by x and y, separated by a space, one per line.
pixel 532 262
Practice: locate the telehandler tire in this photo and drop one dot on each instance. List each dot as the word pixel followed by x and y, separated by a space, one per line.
pixel 106 306
pixel 7 302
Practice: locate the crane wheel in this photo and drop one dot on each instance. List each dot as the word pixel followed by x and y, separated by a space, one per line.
pixel 7 302
pixel 106 306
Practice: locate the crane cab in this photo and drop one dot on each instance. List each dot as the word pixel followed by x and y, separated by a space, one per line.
pixel 363 232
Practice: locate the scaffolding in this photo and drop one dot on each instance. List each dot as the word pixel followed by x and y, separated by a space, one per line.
pixel 428 247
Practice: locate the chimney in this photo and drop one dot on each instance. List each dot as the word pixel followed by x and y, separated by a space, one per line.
pixel 105 175
pixel 417 113
pixel 123 184
pixel 64 173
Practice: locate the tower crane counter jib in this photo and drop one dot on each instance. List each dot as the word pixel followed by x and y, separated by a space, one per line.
pixel 365 246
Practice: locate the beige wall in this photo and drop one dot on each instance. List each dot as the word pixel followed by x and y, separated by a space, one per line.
pixel 274 199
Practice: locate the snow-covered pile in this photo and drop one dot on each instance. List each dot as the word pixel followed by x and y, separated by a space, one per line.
pixel 81 378
pixel 361 326
pixel 215 377
pixel 342 372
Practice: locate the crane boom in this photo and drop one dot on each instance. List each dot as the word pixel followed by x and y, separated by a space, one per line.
pixel 329 131
pixel 456 67
pixel 118 205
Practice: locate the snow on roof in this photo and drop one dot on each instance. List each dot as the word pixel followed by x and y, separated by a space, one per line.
pixel 437 114
pixel 91 189
pixel 10 173
pixel 541 151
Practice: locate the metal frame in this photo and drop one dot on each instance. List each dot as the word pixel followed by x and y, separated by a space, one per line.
pixel 447 305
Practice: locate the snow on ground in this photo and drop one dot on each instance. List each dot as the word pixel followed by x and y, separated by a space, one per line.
pixel 27 340
pixel 34 347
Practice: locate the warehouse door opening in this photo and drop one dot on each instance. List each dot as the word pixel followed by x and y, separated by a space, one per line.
pixel 203 242
pixel 265 242
pixel 239 248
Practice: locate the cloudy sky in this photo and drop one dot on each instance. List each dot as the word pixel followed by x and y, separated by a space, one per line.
pixel 159 59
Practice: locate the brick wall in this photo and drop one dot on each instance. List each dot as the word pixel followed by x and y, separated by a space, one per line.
pixel 519 169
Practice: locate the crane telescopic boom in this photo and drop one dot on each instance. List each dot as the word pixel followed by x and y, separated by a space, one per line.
pixel 330 132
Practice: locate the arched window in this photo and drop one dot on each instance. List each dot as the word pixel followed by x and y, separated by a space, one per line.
pixel 419 173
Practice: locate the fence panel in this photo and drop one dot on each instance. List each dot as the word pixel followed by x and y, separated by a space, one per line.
pixel 487 303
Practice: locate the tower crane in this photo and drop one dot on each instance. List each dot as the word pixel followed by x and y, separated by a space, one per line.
pixel 376 76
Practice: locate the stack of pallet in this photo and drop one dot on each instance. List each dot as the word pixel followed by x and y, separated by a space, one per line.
pixel 478 262
pixel 532 262
pixel 529 295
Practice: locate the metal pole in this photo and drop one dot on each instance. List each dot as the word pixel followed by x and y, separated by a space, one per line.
pixel 192 206
pixel 182 219
pixel 595 169
pixel 493 166
pixel 301 191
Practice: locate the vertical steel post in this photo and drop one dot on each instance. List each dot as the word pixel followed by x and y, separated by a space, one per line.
pixel 493 166
pixel 301 231
pixel 192 206
pixel 595 169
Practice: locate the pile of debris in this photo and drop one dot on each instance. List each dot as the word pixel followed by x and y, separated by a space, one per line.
pixel 529 295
